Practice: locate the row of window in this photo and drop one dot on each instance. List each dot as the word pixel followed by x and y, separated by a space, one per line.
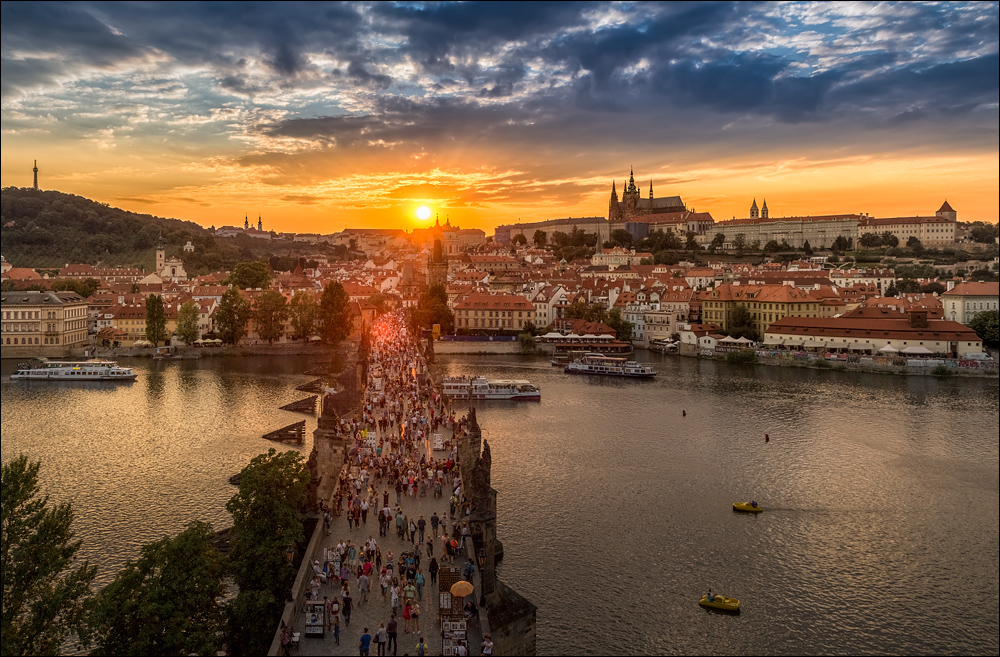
pixel 499 313
pixel 21 328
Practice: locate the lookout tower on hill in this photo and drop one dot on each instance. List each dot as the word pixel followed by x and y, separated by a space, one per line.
pixel 35 170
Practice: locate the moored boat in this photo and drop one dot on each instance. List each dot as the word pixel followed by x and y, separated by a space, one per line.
pixel 72 370
pixel 601 365
pixel 481 388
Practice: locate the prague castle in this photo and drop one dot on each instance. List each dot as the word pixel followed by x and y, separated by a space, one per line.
pixel 632 206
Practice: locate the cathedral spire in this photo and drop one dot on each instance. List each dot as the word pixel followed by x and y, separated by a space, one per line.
pixel 246 222
pixel 763 210
pixel 260 224
pixel 650 189
pixel 754 212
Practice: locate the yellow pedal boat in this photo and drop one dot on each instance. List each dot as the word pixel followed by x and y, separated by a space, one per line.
pixel 747 506
pixel 720 602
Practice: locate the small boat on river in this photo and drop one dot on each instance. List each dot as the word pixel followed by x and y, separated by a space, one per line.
pixel 72 370
pixel 747 507
pixel 720 602
pixel 602 365
pixel 480 388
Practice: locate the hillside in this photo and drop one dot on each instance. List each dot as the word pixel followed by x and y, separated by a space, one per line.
pixel 44 229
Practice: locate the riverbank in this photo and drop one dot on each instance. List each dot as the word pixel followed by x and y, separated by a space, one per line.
pixel 243 350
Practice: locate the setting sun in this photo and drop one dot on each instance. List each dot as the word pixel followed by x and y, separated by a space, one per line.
pixel 423 213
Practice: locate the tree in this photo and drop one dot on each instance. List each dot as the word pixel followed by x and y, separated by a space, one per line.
pixel 302 311
pixel 590 312
pixel 539 238
pixel 44 595
pixel 560 239
pixel 529 327
pixel 842 243
pixel 986 324
pixel 380 302
pixel 755 245
pixel 167 602
pixel 933 287
pixel 432 308
pixel 914 244
pixel 741 323
pixel 907 286
pixel 623 327
pixel 889 240
pixel 622 238
pixel 691 244
pixel 267 520
pixel 85 288
pixel 891 291
pixel 519 240
pixel 807 248
pixel 718 241
pixel 270 311
pixel 232 316
pixel 251 274
pixel 334 313
pixel 156 319
pixel 740 243
pixel 187 321
pixel 771 246
pixel 870 240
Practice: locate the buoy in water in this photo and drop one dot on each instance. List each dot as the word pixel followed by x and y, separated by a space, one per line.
pixel 684 413
pixel 767 438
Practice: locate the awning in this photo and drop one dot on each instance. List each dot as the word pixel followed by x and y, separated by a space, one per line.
pixel 771 339
pixel 860 347
pixel 888 349
pixel 917 350
pixel 728 338
pixel 744 340
pixel 836 345
pixel 811 344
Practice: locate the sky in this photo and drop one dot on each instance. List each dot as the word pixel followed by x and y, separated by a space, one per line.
pixel 321 116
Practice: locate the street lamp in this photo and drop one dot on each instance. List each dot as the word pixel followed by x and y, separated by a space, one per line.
pixel 290 554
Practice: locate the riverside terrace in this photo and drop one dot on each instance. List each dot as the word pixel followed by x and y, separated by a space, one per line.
pixel 506 616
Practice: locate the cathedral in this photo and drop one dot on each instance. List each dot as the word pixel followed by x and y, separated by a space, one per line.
pixel 631 206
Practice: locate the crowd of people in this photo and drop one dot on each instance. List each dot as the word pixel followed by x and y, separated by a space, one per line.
pixel 391 464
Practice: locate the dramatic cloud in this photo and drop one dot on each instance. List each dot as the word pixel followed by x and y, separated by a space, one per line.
pixel 288 104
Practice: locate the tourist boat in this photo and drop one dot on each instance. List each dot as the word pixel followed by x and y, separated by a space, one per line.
pixel 720 602
pixel 602 365
pixel 73 370
pixel 480 388
pixel 749 507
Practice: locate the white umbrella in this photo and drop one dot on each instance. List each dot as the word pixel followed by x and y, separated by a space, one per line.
pixel 728 338
pixel 743 340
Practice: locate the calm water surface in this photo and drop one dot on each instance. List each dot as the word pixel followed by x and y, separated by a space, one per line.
pixel 140 460
pixel 880 535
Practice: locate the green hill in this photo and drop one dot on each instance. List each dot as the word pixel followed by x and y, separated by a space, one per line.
pixel 48 229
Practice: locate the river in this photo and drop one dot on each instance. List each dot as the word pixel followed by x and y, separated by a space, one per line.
pixel 880 534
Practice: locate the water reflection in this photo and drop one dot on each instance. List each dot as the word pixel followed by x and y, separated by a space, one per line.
pixel 616 506
pixel 140 460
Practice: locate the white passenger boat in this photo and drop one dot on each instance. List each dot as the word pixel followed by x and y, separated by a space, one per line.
pixel 609 366
pixel 73 370
pixel 479 387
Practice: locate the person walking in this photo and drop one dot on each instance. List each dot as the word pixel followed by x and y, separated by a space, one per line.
pixel 433 568
pixel 422 648
pixel 390 633
pixel 381 637
pixel 418 579
pixel 364 643
pixel 347 606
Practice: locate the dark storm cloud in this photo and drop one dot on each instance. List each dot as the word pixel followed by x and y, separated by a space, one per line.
pixel 540 72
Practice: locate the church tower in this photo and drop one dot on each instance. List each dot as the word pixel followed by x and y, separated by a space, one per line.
pixel 161 256
pixel 763 210
pixel 614 210
pixel 754 212
pixel 650 189
pixel 630 198
pixel 246 222
pixel 35 170
pixel 260 224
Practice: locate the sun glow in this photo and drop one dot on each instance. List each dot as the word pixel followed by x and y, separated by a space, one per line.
pixel 423 213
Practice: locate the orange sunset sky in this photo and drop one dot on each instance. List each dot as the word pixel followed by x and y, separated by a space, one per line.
pixel 318 120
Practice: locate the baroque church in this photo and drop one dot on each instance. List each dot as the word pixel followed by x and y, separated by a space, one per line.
pixel 631 206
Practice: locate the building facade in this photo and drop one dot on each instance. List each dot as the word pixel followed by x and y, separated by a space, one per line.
pixel 966 300
pixel 49 324
pixel 493 313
